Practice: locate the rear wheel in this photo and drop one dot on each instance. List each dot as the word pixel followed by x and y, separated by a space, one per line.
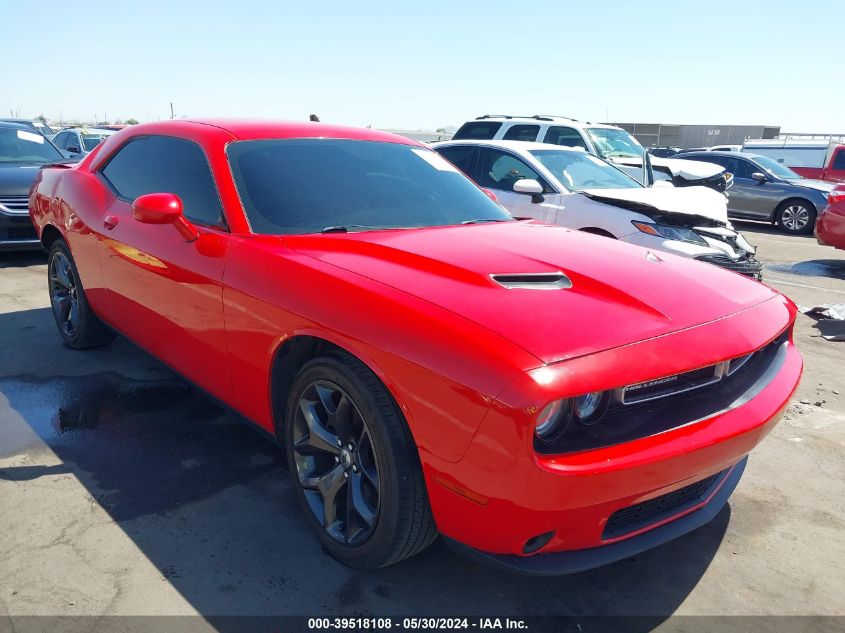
pixel 78 326
pixel 354 465
pixel 796 216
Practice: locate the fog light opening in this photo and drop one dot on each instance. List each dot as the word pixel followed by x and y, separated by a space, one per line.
pixel 537 542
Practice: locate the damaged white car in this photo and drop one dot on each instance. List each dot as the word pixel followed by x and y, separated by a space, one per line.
pixel 612 143
pixel 572 188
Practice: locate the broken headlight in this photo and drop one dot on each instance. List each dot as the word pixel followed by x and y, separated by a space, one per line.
pixel 670 232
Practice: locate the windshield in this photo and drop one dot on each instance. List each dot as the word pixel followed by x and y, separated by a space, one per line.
pixel 90 141
pixel 578 171
pixel 775 168
pixel 26 146
pixel 613 143
pixel 309 185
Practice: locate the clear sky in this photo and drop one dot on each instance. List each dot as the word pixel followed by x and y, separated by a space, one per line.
pixel 429 64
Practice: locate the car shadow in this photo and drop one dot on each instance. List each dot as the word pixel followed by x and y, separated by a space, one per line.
pixel 209 502
pixel 832 268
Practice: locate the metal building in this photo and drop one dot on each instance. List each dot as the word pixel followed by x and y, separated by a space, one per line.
pixel 686 136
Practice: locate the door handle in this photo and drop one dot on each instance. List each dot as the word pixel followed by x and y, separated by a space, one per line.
pixel 110 221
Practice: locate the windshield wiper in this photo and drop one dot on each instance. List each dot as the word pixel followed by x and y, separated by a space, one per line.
pixel 481 220
pixel 344 228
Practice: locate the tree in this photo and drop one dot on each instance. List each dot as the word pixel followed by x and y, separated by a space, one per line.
pixel 42 118
pixel 132 121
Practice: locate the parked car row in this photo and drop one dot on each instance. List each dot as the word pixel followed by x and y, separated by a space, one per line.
pixel 544 399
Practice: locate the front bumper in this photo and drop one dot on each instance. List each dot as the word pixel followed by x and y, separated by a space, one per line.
pixel 502 494
pixel 560 563
pixel 748 266
pixel 17 233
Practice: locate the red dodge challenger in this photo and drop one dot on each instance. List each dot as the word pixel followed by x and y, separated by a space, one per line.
pixel 545 400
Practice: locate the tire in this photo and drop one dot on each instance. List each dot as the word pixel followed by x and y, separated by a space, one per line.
pixel 361 523
pixel 796 216
pixel 78 326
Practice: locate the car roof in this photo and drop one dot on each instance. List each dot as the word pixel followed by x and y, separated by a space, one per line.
pixel 523 146
pixel 15 126
pixel 99 130
pixel 256 129
pixel 539 119
pixel 720 153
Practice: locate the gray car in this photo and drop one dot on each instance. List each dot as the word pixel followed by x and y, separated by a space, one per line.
pixel 764 189
pixel 79 141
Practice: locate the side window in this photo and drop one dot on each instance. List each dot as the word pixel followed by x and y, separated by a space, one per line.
pixel 60 140
pixel 72 142
pixel 744 169
pixel 839 160
pixel 163 164
pixel 522 133
pixel 478 130
pixel 500 170
pixel 566 136
pixel 460 156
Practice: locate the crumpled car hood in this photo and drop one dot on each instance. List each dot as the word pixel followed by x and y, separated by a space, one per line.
pixel 686 169
pixel 619 293
pixel 693 202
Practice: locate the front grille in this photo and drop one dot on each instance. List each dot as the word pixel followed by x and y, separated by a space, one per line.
pixel 643 514
pixel 15 204
pixel 673 401
pixel 749 266
pixel 670 385
pixel 19 233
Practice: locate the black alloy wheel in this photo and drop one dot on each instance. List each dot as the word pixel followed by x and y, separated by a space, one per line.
pixel 336 463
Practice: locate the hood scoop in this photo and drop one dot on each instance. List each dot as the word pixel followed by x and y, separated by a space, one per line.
pixel 533 281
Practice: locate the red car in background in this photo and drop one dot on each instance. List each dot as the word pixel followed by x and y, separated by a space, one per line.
pixel 830 225
pixel 546 400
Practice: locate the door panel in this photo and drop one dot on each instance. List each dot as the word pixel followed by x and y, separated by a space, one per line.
pixel 166 294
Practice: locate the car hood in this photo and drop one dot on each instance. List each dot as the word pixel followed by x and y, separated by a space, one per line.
pixel 619 293
pixel 686 169
pixel 690 205
pixel 17 178
pixel 810 183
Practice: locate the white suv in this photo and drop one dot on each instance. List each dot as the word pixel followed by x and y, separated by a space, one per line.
pixel 570 187
pixel 605 141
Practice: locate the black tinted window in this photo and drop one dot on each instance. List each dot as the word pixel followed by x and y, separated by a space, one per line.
pixel 72 142
pixel 500 170
pixel 460 156
pixel 566 136
pixel 839 161
pixel 522 133
pixel 59 140
pixel 307 185
pixel 744 169
pixel 478 130
pixel 162 164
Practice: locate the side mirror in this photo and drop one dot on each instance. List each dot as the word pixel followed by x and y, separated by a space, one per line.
pixel 759 177
pixel 528 185
pixel 163 208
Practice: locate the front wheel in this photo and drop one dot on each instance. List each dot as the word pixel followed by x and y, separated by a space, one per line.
pixel 78 326
pixel 796 216
pixel 354 465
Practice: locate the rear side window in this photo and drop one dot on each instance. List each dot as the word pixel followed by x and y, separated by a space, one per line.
pixel 163 164
pixel 478 130
pixel 522 133
pixel 839 161
pixel 460 156
pixel 566 136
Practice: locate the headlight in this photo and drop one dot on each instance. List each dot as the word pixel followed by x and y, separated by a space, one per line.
pixel 553 420
pixel 590 407
pixel 669 232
